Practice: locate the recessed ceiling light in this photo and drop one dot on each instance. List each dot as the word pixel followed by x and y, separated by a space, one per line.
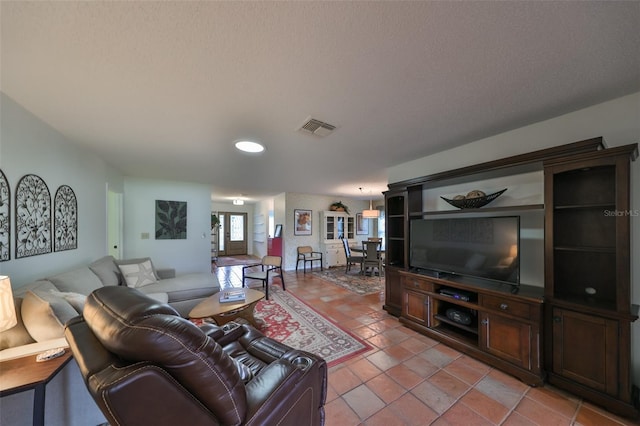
pixel 238 202
pixel 249 146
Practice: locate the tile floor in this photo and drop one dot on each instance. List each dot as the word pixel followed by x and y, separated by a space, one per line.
pixel 409 379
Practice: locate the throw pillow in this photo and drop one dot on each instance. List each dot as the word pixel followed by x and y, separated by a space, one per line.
pixel 44 315
pixel 136 261
pixel 80 280
pixel 18 335
pixel 107 270
pixel 76 300
pixel 138 274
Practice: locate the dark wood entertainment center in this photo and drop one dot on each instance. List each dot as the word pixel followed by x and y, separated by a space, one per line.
pixel 534 332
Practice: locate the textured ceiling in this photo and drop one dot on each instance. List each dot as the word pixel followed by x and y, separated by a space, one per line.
pixel 163 89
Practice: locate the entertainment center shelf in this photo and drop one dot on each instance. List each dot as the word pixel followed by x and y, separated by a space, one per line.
pixel 483 211
pixel 497 323
pixel 569 199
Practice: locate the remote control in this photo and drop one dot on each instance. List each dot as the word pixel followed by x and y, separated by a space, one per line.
pixel 50 354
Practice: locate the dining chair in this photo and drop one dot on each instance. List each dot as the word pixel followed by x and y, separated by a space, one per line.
pixel 372 256
pixel 351 259
pixel 307 254
pixel 271 266
pixel 379 240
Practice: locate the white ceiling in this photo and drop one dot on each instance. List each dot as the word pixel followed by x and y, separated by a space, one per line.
pixel 163 89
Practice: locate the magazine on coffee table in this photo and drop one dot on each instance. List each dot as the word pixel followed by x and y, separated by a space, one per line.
pixel 232 296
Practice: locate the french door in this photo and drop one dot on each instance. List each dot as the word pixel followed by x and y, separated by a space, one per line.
pixel 232 234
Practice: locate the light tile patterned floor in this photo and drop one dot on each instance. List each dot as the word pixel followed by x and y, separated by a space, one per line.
pixel 410 379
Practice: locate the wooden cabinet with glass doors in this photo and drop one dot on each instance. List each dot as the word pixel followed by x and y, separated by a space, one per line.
pixel 335 227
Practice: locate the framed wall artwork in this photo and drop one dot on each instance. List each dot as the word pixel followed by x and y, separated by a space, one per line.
pixel 171 220
pixel 33 217
pixel 302 220
pixel 362 225
pixel 65 220
pixel 5 218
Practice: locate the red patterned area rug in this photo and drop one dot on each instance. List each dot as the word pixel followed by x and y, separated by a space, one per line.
pixel 292 322
pixel 352 281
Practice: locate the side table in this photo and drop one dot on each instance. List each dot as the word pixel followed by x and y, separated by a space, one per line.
pixel 23 374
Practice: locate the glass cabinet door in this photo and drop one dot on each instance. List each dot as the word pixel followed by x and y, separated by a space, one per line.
pixel 350 228
pixel 329 232
pixel 340 227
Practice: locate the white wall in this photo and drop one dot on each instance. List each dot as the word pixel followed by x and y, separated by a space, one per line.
pixel 617 121
pixel 30 146
pixel 263 209
pixel 189 255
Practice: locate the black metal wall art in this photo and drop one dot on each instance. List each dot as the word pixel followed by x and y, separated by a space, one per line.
pixel 171 220
pixel 65 221
pixel 5 218
pixel 33 217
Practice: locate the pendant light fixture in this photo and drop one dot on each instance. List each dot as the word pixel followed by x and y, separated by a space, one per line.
pixel 371 213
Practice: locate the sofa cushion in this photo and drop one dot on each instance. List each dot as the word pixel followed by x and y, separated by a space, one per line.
pixel 160 297
pixel 80 280
pixel 45 314
pixel 36 285
pixel 17 335
pixel 107 270
pixel 185 287
pixel 138 274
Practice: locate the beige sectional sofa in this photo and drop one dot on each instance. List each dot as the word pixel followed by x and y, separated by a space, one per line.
pixel 44 306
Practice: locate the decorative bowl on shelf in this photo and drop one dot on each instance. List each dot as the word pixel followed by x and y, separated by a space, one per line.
pixel 473 202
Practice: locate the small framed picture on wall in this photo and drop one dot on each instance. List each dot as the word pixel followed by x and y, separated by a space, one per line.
pixel 302 220
pixel 362 225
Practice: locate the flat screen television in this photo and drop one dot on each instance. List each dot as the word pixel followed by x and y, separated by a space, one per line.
pixel 482 247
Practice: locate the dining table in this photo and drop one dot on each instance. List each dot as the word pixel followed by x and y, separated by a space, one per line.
pixel 362 249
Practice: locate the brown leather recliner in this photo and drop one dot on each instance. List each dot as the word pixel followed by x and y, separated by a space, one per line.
pixel 145 365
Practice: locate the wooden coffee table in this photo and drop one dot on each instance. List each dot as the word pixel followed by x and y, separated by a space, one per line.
pixel 223 313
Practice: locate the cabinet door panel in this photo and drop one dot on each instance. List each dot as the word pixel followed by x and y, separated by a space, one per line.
pixel 330 257
pixel 416 307
pixel 585 349
pixel 393 288
pixel 334 255
pixel 507 339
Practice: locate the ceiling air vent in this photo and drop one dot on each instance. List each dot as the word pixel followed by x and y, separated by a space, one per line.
pixel 317 127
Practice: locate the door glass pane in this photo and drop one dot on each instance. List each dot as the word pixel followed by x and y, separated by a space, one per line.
pixel 221 232
pixel 236 224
